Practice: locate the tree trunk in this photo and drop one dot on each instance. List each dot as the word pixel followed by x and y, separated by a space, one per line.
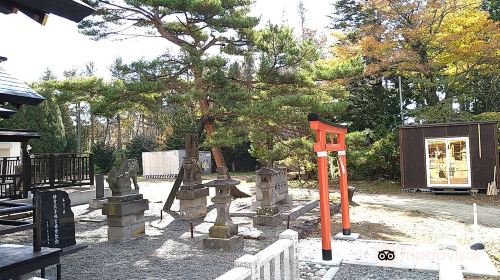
pixel 209 128
pixel 119 128
pixel 106 131
pixel 209 123
pixel 92 130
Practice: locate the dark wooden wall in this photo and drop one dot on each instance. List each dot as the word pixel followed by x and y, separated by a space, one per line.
pixel 412 151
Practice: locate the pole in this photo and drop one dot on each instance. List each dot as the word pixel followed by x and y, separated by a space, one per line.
pixel 344 194
pixel 401 101
pixel 474 212
pixel 324 203
pixel 78 129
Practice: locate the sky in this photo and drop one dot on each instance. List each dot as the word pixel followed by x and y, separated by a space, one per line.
pixel 31 48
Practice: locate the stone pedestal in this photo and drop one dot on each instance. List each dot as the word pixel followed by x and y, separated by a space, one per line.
pixel 268 216
pixel 97 203
pixel 224 233
pixel 193 201
pixel 125 216
pixel 341 236
pixel 192 194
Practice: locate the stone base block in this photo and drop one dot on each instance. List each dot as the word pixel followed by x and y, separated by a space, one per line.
pixel 114 221
pixel 227 244
pixel 119 234
pixel 193 212
pixel 125 198
pixel 223 231
pixel 115 207
pixel 265 220
pixel 267 210
pixel 189 203
pixel 284 199
pixel 97 203
pixel 192 186
pixel 341 236
pixel 192 194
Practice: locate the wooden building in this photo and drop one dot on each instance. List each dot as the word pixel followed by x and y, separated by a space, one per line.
pixel 449 156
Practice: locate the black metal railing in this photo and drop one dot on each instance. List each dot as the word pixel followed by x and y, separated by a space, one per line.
pixel 8 166
pixel 45 171
pixel 10 186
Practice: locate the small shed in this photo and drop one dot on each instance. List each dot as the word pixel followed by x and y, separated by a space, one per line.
pixel 449 156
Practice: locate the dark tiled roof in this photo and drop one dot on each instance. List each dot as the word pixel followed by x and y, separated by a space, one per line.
pixel 38 9
pixel 16 92
pixel 17 135
pixel 5 113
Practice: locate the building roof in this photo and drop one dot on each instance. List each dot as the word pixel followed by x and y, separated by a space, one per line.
pixel 17 135
pixel 5 113
pixel 16 92
pixel 38 10
pixel 446 124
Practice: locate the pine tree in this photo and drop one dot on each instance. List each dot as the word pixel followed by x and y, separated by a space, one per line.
pixel 195 26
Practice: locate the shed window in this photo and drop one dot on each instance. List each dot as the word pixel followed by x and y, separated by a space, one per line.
pixel 448 162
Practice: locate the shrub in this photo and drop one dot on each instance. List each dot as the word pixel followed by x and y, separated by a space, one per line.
pixel 367 158
pixel 139 144
pixel 103 157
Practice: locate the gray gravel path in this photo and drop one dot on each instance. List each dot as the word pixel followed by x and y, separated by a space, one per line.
pixel 487 215
pixel 166 252
pixel 356 272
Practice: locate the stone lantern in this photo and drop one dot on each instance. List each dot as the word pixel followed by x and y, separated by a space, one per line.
pixel 224 233
pixel 268 212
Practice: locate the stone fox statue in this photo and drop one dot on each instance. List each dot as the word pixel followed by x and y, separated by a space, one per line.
pixel 119 177
pixel 133 170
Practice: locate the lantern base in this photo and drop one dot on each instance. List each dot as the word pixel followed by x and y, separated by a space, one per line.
pixel 227 244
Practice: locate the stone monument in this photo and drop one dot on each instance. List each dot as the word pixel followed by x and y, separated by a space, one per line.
pixel 100 198
pixel 192 194
pixel 272 188
pixel 57 219
pixel 224 233
pixel 125 209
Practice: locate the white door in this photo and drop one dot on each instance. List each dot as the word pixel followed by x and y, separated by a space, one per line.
pixel 448 162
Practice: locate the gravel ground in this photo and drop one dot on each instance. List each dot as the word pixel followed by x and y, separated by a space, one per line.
pixel 312 271
pixel 166 252
pixel 388 187
pixel 354 272
pixel 407 224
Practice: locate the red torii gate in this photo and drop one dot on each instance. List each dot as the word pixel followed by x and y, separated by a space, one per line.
pixel 330 138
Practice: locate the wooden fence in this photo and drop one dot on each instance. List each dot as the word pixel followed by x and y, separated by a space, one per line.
pixel 44 171
pixel 277 261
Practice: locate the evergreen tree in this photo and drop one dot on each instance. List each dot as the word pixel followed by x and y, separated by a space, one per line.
pixel 286 89
pixel 45 119
pixel 195 26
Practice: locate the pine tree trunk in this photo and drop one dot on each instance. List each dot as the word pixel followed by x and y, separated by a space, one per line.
pixel 209 123
pixel 92 130
pixel 119 128
pixel 106 131
pixel 209 128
